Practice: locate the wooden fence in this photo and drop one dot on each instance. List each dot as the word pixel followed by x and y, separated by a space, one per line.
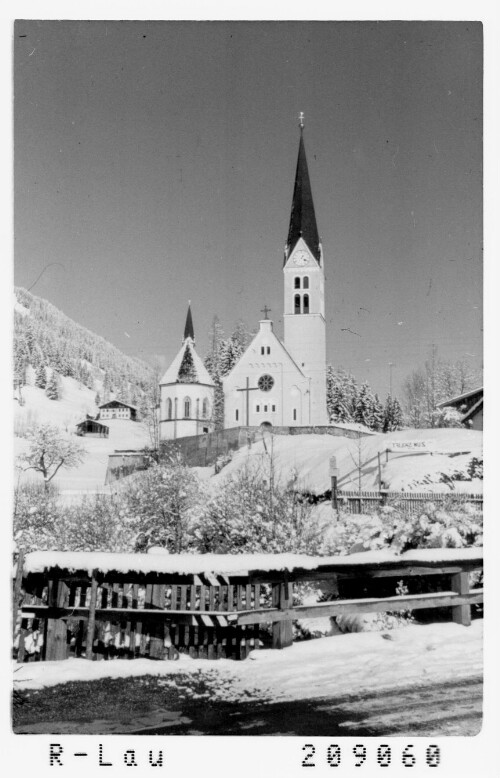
pixel 354 501
pixel 159 613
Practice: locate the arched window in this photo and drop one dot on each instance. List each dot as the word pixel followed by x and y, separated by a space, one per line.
pixel 305 284
pixel 305 308
pixel 297 282
pixel 187 407
pixel 296 305
pixel 169 408
pixel 204 408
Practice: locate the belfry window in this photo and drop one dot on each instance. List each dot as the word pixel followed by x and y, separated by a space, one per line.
pixel 305 308
pixel 204 408
pixel 297 282
pixel 187 407
pixel 296 303
pixel 305 283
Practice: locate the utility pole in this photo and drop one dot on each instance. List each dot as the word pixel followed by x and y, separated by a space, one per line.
pixel 391 365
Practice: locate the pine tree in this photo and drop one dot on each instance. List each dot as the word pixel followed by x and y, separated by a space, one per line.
pixel 41 376
pixel 378 415
pixel 53 387
pixel 187 371
pixel 97 399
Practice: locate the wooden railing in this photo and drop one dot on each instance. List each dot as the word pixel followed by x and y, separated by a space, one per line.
pixel 160 612
pixel 353 501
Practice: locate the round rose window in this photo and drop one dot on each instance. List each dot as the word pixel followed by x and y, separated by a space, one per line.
pixel 265 383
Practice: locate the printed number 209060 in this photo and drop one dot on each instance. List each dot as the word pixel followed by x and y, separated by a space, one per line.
pixel 384 756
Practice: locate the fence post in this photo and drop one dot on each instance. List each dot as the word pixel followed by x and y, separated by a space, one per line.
pixel 157 628
pixel 17 589
pixel 460 614
pixel 282 595
pixel 55 628
pixel 89 650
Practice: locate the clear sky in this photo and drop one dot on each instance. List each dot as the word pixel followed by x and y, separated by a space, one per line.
pixel 154 163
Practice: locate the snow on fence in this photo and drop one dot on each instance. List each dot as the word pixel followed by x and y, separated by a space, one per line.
pixel 368 501
pixel 102 605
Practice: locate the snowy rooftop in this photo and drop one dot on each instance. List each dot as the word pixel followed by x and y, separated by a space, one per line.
pixel 242 564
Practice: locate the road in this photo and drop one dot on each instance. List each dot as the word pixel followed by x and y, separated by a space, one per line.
pixel 453 708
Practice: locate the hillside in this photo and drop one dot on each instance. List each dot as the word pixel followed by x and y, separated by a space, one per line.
pixel 44 336
pixel 305 460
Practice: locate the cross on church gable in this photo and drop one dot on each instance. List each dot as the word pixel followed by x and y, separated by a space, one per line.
pixel 265 310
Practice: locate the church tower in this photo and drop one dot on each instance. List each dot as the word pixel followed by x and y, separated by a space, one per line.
pixel 304 285
pixel 186 392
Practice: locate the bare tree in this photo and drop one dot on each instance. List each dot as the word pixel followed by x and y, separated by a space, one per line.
pixel 49 451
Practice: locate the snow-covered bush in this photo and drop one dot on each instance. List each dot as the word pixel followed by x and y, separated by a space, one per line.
pixel 160 506
pixel 249 513
pixel 450 523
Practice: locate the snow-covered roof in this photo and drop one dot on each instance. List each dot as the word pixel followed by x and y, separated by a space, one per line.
pixel 172 373
pixel 460 397
pixel 111 403
pixel 241 564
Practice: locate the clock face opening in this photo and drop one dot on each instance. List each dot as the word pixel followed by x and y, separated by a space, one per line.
pixel 265 383
pixel 301 258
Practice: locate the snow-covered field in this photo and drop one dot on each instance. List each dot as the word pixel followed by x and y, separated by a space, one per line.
pixel 65 413
pixel 305 460
pixel 331 666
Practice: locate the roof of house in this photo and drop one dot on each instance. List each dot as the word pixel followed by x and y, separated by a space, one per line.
pixel 461 397
pixel 114 403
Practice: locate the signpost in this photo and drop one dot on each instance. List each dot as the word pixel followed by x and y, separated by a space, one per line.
pixel 334 473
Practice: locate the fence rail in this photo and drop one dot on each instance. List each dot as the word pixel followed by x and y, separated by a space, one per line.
pixel 102 614
pixel 365 501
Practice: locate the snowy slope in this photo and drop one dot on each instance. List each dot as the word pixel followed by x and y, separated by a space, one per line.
pixel 304 459
pixel 75 403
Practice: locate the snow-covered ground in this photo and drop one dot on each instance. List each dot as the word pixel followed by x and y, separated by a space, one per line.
pixel 304 459
pixel 65 413
pixel 331 666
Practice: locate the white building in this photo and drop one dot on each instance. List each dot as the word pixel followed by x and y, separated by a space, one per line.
pixel 186 392
pixel 284 384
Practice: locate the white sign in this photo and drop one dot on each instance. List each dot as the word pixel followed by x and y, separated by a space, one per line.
pixel 409 445
pixel 333 466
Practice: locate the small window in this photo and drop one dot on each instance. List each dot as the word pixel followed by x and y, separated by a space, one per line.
pixel 169 408
pixel 268 349
pixel 265 408
pixel 306 304
pixel 262 350
pixel 257 408
pixel 236 414
pixel 187 407
pixel 295 414
pixel 297 282
pixel 296 304
pixel 273 408
pixel 204 408
pixel 305 283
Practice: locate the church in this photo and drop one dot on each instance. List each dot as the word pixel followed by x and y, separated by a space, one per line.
pixel 274 383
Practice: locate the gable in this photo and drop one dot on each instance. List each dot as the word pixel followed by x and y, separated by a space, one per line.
pixel 263 339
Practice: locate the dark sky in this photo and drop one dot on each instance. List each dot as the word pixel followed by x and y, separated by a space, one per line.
pixel 154 163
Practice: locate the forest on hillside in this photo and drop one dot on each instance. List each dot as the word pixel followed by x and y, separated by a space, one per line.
pixel 45 338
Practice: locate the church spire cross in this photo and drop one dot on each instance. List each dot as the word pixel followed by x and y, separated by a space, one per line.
pixel 265 310
pixel 301 120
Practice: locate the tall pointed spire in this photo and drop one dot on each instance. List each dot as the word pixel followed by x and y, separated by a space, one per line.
pixel 189 329
pixel 303 218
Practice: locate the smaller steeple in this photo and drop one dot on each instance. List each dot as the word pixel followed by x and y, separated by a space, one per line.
pixel 189 329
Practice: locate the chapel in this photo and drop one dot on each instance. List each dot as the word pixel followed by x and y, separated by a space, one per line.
pixel 186 392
